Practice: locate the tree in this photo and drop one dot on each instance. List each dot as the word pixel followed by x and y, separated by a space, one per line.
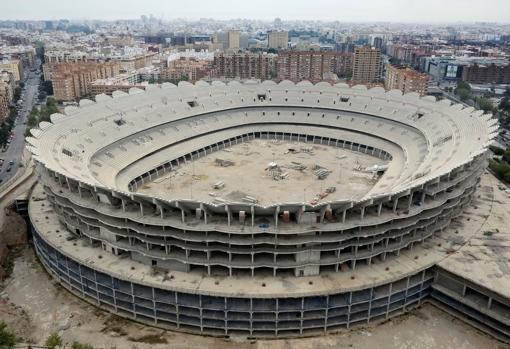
pixel 78 345
pixel 7 337
pixel 497 150
pixel 504 104
pixel 17 93
pixel 463 94
pixel 485 104
pixel 53 341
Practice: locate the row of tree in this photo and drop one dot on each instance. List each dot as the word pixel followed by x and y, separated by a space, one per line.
pixel 501 166
pixel 36 116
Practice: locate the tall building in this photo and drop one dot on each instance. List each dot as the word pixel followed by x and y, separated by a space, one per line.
pixel 72 81
pixel 234 38
pixel 313 66
pixel 367 65
pixel 221 39
pixel 244 66
pixel 405 79
pixel 277 39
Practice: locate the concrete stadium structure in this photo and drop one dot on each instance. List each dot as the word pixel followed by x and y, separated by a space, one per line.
pixel 223 267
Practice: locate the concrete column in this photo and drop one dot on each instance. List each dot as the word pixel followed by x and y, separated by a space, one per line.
pixel 379 209
pixel 227 209
pixel 362 212
pixel 395 204
pixel 344 213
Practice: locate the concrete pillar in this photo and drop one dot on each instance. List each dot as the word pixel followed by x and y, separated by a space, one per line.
pixel 395 204
pixel 379 208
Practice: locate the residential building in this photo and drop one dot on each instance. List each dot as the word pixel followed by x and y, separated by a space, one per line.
pixel 244 66
pixel 13 66
pixel 277 39
pixel 367 65
pixel 189 69
pixel 487 73
pixel 234 37
pixel 71 81
pixel 7 85
pixel 122 82
pixel 405 79
pixel 313 66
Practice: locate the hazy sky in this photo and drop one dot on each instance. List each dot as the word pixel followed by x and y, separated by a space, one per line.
pixel 342 10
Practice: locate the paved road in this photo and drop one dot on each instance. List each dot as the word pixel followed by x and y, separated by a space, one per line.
pixel 15 150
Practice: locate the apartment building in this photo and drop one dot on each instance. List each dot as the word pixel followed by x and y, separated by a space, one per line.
pixel 313 66
pixel 491 73
pixel 13 66
pixel 367 65
pixel 122 82
pixel 71 81
pixel 190 69
pixel 7 85
pixel 277 39
pixel 244 66
pixel 234 40
pixel 405 79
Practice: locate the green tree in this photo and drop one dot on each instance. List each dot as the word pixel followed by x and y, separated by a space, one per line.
pixel 504 104
pixel 53 341
pixel 497 150
pixel 7 337
pixel 17 93
pixel 463 94
pixel 485 104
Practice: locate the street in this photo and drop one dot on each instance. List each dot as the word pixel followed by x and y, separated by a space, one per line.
pixel 15 150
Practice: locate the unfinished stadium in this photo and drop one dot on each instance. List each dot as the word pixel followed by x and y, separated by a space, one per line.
pixel 260 209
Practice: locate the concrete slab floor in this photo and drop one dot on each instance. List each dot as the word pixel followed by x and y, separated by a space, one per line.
pixel 35 307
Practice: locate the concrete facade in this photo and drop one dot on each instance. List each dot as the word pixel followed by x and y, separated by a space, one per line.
pixel 92 161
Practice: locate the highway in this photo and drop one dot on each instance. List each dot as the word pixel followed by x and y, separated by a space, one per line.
pixel 15 150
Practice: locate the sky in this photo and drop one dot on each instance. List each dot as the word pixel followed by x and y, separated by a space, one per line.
pixel 342 10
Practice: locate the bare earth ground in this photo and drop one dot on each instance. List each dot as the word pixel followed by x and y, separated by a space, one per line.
pixel 248 174
pixel 35 307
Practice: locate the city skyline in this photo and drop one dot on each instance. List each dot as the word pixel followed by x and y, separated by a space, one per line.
pixel 433 11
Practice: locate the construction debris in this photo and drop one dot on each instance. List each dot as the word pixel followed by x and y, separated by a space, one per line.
pixel 223 163
pixel 219 185
pixel 330 190
pixel 296 166
pixel 308 150
pixel 250 199
pixel 321 172
pixel 276 172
